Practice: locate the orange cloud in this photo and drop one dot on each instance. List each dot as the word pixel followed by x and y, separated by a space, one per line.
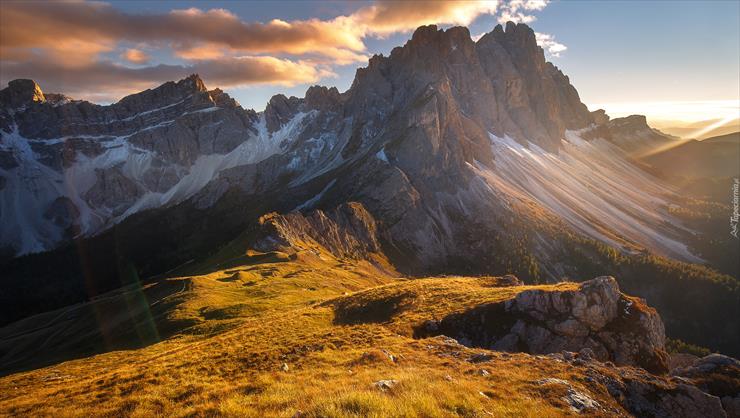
pixel 92 28
pixel 386 17
pixel 135 56
pixel 56 27
pixel 200 51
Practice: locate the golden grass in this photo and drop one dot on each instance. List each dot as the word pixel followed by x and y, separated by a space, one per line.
pixel 433 298
pixel 248 320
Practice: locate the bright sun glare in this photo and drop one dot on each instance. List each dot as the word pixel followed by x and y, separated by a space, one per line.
pixel 678 111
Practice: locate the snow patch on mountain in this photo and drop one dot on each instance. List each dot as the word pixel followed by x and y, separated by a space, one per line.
pixel 28 191
pixel 207 167
pixel 31 187
pixel 381 155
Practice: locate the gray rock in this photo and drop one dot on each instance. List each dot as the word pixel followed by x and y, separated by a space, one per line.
pixel 480 358
pixel 385 385
pixel 571 328
pixel 582 324
pixel 731 405
pixel 578 401
pixel 509 342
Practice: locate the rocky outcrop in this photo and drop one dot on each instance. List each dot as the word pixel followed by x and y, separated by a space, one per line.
pixel 594 317
pixel 635 136
pixel 717 375
pixel 347 231
pixel 280 110
pixel 323 98
pixel 644 395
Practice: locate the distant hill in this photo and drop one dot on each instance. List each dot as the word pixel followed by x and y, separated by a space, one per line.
pixel 690 130
pixel 713 157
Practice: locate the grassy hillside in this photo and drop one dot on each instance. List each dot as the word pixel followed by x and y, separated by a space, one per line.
pixel 194 306
pixel 271 335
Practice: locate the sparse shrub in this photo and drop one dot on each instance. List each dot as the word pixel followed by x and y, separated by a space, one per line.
pixel 677 346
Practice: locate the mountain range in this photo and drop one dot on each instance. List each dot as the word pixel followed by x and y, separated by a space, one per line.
pixel 448 156
pixel 449 136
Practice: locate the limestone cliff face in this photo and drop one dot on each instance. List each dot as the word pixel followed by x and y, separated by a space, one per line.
pixel 20 93
pixel 534 94
pixel 427 111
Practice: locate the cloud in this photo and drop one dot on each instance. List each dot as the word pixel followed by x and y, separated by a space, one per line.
pixel 547 42
pixel 387 17
pixel 66 45
pixel 108 81
pixel 201 51
pixel 91 28
pixel 135 56
pixel 520 11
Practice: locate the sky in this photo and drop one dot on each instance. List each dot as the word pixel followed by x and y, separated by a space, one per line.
pixel 671 60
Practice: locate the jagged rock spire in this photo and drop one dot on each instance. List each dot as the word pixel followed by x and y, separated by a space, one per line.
pixel 21 92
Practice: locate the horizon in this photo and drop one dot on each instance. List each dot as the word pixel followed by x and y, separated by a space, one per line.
pixel 124 63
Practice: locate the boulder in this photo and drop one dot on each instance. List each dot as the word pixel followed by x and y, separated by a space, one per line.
pixel 594 319
pixel 385 385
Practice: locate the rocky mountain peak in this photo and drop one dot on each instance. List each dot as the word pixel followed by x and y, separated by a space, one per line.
pixel 600 116
pixel 519 32
pixel 57 98
pixel 430 34
pixel 515 33
pixel 21 92
pixel 520 43
pixel 424 34
pixel 636 121
pixel 222 99
pixel 189 88
pixel 322 98
pixel 634 135
pixel 279 110
pixel 193 82
pixel 429 40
